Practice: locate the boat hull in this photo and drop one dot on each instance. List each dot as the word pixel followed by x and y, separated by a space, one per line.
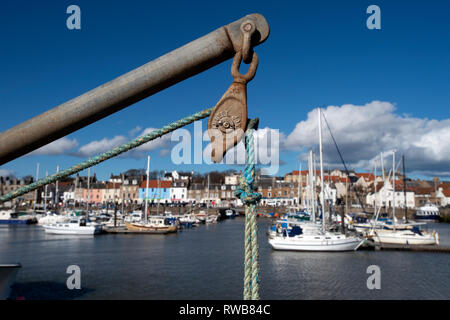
pixel 396 238
pixel 286 243
pixel 87 230
pixel 430 218
pixel 150 229
pixel 8 274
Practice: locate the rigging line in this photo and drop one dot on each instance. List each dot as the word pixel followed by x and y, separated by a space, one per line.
pixel 343 162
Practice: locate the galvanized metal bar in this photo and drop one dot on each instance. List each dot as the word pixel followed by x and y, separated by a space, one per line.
pixel 178 65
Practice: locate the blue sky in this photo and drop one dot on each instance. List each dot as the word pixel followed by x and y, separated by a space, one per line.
pixel 319 53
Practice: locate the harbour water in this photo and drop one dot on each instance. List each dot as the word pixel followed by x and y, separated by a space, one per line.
pixel 206 262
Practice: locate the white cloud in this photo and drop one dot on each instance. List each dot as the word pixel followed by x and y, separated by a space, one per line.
pixel 362 132
pixel 60 146
pixel 99 146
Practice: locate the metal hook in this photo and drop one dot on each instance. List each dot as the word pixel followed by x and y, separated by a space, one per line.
pixel 241 78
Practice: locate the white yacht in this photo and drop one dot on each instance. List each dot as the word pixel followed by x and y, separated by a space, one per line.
pixel 7 277
pixel 314 240
pixel 405 237
pixel 309 235
pixel 76 226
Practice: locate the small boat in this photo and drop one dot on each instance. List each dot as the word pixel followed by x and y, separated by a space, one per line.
pixel 156 225
pixel 11 217
pixel 8 274
pixel 230 213
pixel 405 237
pixel 211 219
pixel 188 220
pixel 429 212
pixel 76 226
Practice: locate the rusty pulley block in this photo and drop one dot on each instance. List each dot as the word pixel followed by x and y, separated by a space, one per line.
pixel 228 121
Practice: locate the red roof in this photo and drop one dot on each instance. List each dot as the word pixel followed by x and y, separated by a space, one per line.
pixel 156 184
pixel 366 176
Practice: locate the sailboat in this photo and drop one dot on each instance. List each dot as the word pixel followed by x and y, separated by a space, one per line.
pixel 410 236
pixel 308 235
pixel 154 224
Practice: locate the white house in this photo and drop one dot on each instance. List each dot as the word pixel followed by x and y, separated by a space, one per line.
pixel 232 179
pixel 178 191
pixel 330 193
pixel 385 197
pixel 444 195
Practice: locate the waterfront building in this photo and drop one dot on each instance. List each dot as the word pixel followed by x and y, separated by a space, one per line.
pixel 111 193
pixel 158 191
pixel 443 194
pixel 384 197
pixel 130 190
pixel 232 179
pixel 178 190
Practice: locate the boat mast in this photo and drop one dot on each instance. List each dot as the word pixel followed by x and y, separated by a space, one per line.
pixel 375 188
pixel 207 201
pixel 45 194
pixel 56 192
pixel 322 200
pixel 299 183
pixel 36 191
pixel 88 191
pixel 146 189
pixel 382 166
pixel 404 189
pixel 393 188
pixel 310 182
pixel 314 185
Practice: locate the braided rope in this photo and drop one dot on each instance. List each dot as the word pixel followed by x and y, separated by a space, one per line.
pixel 245 192
pixel 107 155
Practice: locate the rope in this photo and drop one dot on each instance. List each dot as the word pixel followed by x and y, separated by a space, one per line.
pixel 107 155
pixel 245 192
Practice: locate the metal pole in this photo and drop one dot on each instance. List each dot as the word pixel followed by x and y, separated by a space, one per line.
pixel 176 66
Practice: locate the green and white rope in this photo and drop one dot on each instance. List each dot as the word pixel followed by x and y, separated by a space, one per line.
pixel 246 193
pixel 107 155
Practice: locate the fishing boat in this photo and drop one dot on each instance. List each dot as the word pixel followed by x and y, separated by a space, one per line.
pixel 429 212
pixel 157 225
pixel 8 274
pixel 76 226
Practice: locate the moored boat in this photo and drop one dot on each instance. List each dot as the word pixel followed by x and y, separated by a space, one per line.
pixel 405 237
pixel 76 226
pixel 11 217
pixel 428 212
pixel 156 225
